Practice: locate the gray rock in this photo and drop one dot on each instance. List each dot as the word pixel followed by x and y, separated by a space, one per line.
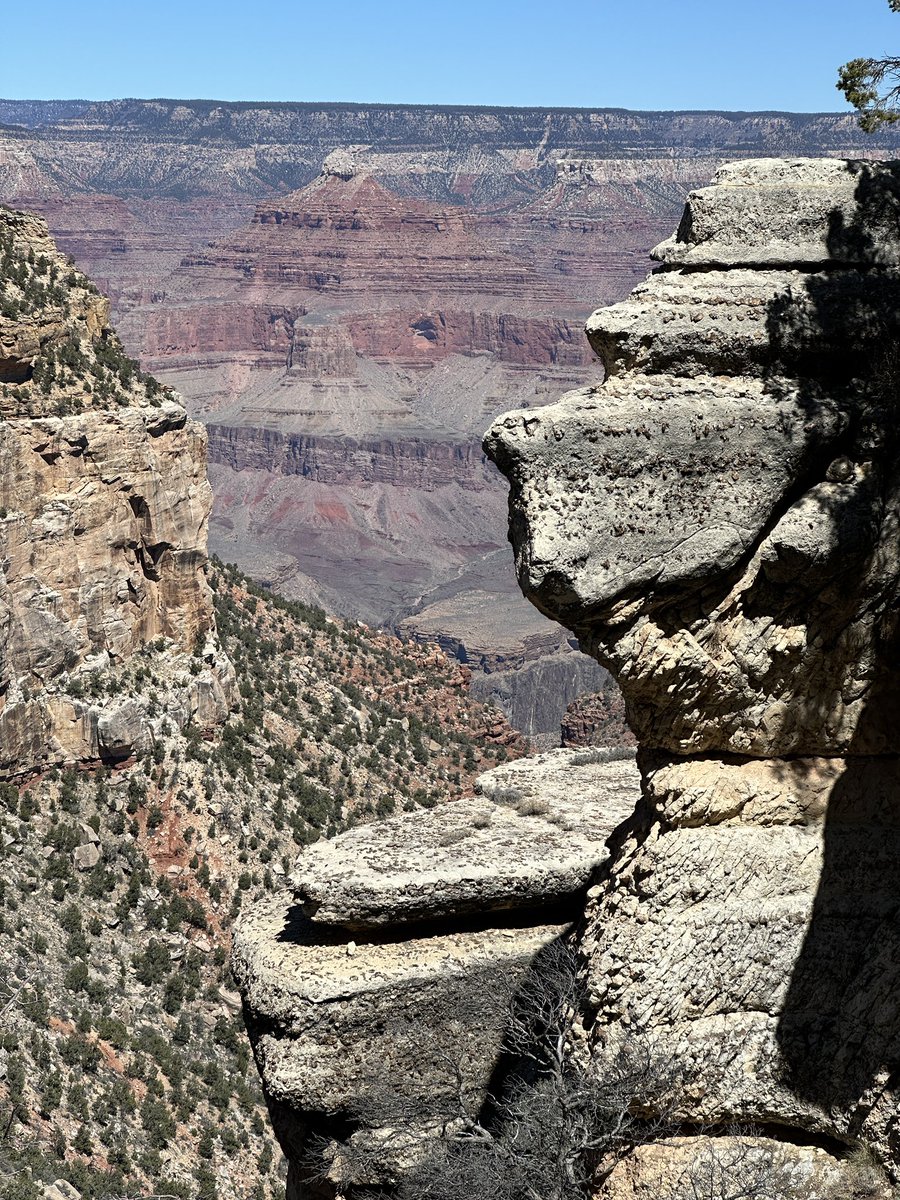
pixel 399 1026
pixel 474 856
pixel 86 856
pixel 122 730
pixel 569 778
pixel 727 546
pixel 691 470
pixel 89 833
pixel 711 539
pixel 790 212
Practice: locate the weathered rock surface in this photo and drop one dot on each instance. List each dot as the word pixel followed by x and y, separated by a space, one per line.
pixel 384 994
pixel 770 488
pixel 759 961
pixel 769 211
pixel 356 1035
pixel 532 838
pixel 718 524
pixel 335 1015
pixel 683 1168
pixel 104 505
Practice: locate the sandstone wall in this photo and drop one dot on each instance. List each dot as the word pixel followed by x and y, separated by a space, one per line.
pixel 104 503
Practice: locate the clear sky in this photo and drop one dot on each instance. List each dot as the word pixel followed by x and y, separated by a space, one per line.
pixel 646 54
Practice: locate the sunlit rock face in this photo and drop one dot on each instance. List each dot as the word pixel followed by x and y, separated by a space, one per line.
pixel 104 504
pixel 718 524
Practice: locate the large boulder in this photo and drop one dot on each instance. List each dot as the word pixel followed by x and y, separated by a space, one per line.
pixel 532 839
pixel 719 525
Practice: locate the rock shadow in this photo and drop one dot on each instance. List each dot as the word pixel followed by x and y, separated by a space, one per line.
pixel 838 331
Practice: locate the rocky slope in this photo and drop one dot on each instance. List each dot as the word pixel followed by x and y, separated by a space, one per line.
pixel 122 1064
pixel 170 734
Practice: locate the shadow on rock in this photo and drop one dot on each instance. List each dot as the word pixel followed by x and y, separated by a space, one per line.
pixel 839 1028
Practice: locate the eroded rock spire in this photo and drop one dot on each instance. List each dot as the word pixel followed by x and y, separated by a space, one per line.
pixel 718 523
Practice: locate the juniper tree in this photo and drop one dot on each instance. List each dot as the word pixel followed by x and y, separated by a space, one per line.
pixel 872 86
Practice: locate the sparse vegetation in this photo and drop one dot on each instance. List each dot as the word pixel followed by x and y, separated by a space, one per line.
pixel 130 1071
pixel 74 369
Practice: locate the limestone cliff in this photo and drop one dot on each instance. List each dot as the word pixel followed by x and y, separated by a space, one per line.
pixel 104 505
pixel 718 525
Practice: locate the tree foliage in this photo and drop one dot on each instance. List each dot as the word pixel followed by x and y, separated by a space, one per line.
pixel 872 86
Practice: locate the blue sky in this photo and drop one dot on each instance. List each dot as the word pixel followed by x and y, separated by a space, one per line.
pixel 649 54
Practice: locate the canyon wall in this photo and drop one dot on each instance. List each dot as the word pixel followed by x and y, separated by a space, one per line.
pixel 346 278
pixel 104 505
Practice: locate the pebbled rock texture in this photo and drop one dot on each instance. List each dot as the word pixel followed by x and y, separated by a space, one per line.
pixel 722 541
pixel 104 504
pixel 718 525
pixel 533 837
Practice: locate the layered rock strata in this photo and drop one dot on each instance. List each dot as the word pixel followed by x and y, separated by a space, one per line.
pixel 318 330
pixel 377 1001
pixel 104 504
pixel 718 526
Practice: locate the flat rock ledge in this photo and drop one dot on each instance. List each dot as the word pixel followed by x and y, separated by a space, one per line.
pixel 382 995
pixel 330 1019
pixel 532 838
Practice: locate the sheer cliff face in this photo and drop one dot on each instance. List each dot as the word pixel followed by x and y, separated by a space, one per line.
pixel 718 525
pixel 104 504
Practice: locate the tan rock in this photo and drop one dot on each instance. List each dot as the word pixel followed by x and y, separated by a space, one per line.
pixel 396 1027
pixel 104 505
pixel 86 856
pixel 714 1167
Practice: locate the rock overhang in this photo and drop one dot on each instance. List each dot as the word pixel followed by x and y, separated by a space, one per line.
pixel 522 844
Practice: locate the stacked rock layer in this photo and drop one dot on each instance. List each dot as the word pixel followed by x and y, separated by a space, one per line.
pixel 377 998
pixel 718 524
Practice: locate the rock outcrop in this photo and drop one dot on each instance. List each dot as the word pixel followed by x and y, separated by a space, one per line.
pixel 597 719
pixel 104 504
pixel 718 526
pixel 378 1000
